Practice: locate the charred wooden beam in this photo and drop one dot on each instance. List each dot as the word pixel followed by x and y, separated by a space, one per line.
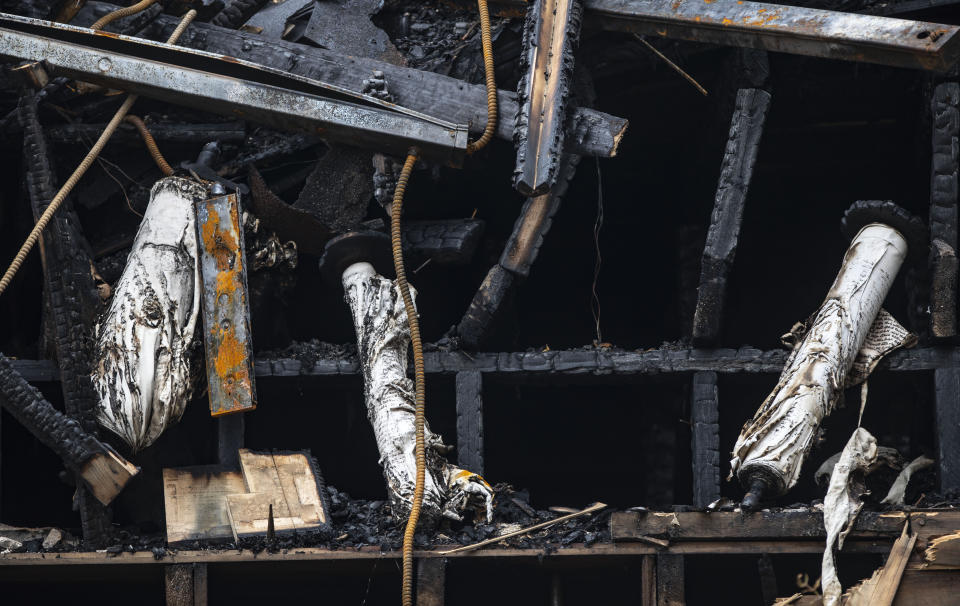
pixel 573 363
pixel 71 301
pixel 469 386
pixel 739 158
pixel 534 222
pixel 236 12
pixel 946 395
pixel 599 363
pixel 945 110
pixel 596 133
pixel 789 29
pixel 519 253
pixel 807 525
pixel 484 307
pixel 166 132
pixel 445 242
pixel 670 580
pixel 100 468
pixel 551 34
pixel 705 443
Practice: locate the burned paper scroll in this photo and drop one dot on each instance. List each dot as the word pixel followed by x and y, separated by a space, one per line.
pixel 844 341
pixel 842 504
pixel 383 338
pixel 142 374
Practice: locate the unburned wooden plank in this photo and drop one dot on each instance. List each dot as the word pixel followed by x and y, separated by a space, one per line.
pixel 195 502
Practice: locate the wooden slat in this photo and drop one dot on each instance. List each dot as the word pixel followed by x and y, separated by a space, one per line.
pixel 195 502
pixel 786 525
pixel 947 408
pixel 705 421
pixel 469 386
pixel 648 576
pixel 596 553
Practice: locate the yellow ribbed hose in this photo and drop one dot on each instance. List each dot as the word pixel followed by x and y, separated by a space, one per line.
pixel 121 13
pixel 151 144
pixel 421 455
pixel 80 170
pixel 491 127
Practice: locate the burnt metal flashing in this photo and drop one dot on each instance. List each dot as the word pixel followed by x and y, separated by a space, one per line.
pixel 225 304
pixel 786 29
pixel 232 87
pixel 593 133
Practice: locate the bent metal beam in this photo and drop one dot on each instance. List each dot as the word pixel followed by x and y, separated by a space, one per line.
pixel 785 29
pixel 231 87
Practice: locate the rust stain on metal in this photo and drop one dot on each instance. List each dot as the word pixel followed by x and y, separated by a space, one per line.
pixel 225 307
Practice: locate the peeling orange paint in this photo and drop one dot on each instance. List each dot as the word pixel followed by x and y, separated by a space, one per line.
pixel 229 362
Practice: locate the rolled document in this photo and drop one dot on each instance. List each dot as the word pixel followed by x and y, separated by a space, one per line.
pixel 770 450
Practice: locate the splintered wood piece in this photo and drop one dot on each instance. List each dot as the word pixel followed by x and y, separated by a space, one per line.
pixel 195 502
pixel 106 474
pixel 881 588
pixel 943 552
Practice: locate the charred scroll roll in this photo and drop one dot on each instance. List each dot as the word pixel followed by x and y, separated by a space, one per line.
pixel 383 339
pixel 103 470
pixel 844 341
pixel 142 373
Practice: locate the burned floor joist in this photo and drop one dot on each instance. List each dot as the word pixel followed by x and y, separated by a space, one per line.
pixel 705 439
pixel 947 410
pixel 469 386
pixel 72 302
pixel 98 466
pixel 945 111
pixel 519 253
pixel 165 132
pixel 736 171
pixel 584 362
pixel 595 133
